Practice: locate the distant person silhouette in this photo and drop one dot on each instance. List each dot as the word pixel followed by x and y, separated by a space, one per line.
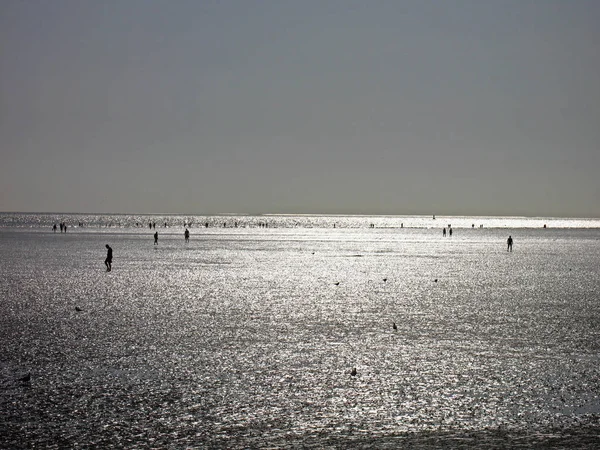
pixel 187 235
pixel 108 260
pixel 509 243
pixel 156 238
pixel 54 228
pixel 444 232
pixel 450 232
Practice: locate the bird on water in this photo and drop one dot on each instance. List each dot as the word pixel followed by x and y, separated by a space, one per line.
pixel 353 373
pixel 25 378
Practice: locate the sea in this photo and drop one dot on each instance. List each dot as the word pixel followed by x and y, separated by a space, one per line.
pixel 299 331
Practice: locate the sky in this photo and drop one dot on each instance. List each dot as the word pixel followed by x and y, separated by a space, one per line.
pixel 448 107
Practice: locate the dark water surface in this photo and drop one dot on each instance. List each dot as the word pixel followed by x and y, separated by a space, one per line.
pixel 243 339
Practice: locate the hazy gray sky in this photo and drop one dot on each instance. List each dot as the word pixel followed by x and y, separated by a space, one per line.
pixel 301 106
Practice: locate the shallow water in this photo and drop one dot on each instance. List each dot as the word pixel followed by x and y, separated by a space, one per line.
pixel 242 338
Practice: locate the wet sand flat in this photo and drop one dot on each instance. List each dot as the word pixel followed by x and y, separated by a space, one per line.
pixel 246 338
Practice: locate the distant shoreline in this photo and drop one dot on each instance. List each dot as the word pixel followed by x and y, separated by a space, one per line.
pixel 438 217
pixel 166 221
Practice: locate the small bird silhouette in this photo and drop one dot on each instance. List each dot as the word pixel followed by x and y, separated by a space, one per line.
pixel 384 280
pixel 394 326
pixel 25 378
pixel 353 373
pixel 337 283
pixel 435 281
pixel 78 309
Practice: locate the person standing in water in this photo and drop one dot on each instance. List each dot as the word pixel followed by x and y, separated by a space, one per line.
pixel 509 243
pixel 108 260
pixel 187 235
pixel 156 238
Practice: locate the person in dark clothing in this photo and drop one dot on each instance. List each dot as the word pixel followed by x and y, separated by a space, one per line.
pixel 509 242
pixel 108 260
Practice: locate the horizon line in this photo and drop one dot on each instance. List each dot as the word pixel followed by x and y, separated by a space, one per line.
pixel 433 216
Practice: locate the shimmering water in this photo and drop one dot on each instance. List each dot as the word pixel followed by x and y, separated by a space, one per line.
pixel 246 337
pixel 133 222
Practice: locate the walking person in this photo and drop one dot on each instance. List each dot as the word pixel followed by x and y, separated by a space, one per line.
pixel 187 235
pixel 509 243
pixel 108 260
pixel 156 238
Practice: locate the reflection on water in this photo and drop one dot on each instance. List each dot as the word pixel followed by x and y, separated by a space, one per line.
pixel 141 222
pixel 247 338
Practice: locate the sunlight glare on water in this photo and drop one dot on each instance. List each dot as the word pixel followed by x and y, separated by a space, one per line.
pixel 246 337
